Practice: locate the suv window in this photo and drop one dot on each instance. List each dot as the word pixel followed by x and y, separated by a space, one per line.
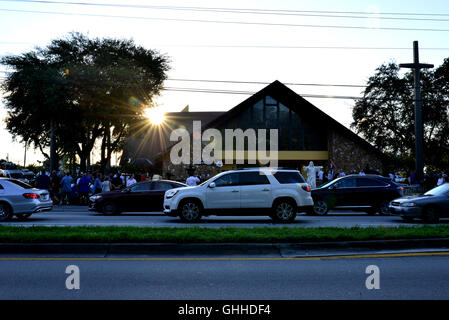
pixel 227 180
pixel 285 177
pixel 253 178
pixel 346 183
pixel 367 182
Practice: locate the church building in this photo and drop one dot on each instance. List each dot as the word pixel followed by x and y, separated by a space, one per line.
pixel 305 134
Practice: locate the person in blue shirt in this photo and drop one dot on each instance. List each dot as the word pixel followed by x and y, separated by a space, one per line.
pixel 83 185
pixel 98 185
pixel 66 184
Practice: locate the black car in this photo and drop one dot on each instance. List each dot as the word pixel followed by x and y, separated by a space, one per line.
pixel 370 193
pixel 430 206
pixel 146 196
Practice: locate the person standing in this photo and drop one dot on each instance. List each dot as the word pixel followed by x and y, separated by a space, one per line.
pixel 83 185
pixel 116 182
pixel 66 184
pixel 131 181
pixel 98 186
pixel 54 187
pixel 192 181
pixel 106 185
pixel 440 180
pixel 43 181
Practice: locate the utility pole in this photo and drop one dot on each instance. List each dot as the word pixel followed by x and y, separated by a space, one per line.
pixel 52 146
pixel 418 109
pixel 25 155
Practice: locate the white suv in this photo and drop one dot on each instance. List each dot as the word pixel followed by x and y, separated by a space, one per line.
pixel 279 193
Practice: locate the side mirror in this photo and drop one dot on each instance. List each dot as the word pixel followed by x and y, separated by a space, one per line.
pixel 212 185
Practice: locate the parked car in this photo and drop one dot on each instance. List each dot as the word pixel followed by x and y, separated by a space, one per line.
pixel 279 194
pixel 30 176
pixel 22 200
pixel 370 193
pixel 430 206
pixel 13 174
pixel 140 197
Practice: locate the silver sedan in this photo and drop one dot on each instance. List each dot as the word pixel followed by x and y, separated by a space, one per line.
pixel 22 200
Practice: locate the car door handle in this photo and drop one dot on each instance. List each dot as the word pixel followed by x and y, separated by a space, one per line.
pixel 235 191
pixel 265 189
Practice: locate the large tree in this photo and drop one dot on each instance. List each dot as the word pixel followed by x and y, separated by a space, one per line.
pixel 87 88
pixel 385 114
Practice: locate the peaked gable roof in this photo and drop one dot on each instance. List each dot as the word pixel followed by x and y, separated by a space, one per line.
pixel 298 104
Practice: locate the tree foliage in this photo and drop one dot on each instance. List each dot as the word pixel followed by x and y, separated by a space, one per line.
pixel 91 89
pixel 385 114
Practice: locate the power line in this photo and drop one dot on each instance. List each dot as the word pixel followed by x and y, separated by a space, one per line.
pixel 198 90
pixel 266 83
pixel 301 47
pixel 228 22
pixel 267 46
pixel 255 82
pixel 242 11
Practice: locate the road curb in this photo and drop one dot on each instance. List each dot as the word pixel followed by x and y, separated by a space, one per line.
pixel 220 249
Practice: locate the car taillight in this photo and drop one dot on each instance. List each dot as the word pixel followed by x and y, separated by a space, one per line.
pixel 306 188
pixel 31 196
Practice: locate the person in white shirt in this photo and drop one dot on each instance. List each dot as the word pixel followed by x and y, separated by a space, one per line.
pixel 106 185
pixel 440 181
pixel 131 181
pixel 192 181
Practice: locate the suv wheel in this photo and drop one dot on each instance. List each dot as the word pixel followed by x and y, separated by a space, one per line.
pixel 284 211
pixel 320 207
pixel 190 211
pixel 5 212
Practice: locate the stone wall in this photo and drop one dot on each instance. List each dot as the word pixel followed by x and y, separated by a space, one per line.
pixel 349 155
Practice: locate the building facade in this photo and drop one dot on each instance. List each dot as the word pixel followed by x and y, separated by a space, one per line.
pixel 305 134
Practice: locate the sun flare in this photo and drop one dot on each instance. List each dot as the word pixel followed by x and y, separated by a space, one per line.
pixel 156 115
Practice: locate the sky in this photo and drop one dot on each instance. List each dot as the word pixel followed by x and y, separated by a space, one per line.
pixel 297 45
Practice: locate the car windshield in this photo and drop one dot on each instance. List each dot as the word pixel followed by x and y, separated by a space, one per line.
pixel 438 191
pixel 21 184
pixel 203 183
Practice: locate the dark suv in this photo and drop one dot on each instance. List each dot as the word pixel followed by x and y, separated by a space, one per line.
pixel 370 193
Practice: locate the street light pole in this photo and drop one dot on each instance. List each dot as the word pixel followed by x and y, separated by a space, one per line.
pixel 418 109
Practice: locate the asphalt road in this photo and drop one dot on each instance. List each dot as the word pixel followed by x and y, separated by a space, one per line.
pixel 79 216
pixel 411 277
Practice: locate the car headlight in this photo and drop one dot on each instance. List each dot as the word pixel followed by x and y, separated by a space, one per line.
pixel 170 193
pixel 408 204
pixel 95 197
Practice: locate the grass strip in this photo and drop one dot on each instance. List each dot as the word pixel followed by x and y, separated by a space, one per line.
pixel 99 234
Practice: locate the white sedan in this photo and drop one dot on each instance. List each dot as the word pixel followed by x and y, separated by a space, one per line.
pixel 22 200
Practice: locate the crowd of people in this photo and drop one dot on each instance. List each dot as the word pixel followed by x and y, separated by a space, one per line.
pixel 65 188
